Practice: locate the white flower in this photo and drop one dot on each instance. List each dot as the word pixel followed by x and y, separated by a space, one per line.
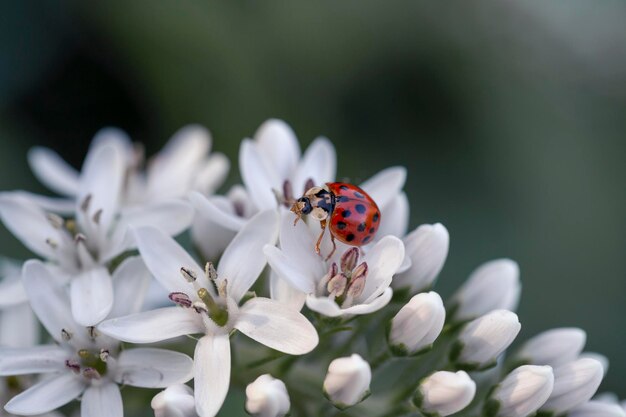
pixel 343 285
pixel 599 357
pixel 523 391
pixel 482 340
pixel 182 165
pixel 267 397
pixel 85 362
pixel 347 381
pixel 553 347
pixel 427 248
pixel 574 384
pixel 444 393
pixel 18 325
pixel 493 285
pixel 208 302
pixel 597 409
pixel 175 401
pixel 417 324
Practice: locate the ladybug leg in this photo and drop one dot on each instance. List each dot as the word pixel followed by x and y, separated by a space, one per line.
pixel 319 239
pixel 332 239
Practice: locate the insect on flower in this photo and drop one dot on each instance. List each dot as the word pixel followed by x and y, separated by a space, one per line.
pixel 351 215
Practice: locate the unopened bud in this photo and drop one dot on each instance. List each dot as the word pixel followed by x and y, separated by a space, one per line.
pixel 553 347
pixel 175 401
pixel 597 409
pixel 417 324
pixel 521 392
pixel 348 381
pixel 267 397
pixel 444 393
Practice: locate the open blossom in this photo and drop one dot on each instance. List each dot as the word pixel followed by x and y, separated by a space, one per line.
pixel 346 283
pixel 209 303
pixel 84 362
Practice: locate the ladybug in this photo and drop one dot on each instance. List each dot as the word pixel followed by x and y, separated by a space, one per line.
pixel 349 212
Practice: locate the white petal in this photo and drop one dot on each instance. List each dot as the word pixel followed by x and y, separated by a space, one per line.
pixel 210 210
pixel 386 185
pixel 91 295
pixel 102 401
pixel 12 291
pixel 164 258
pixel 172 217
pixel 329 308
pixel 282 291
pixel 318 163
pixel 211 373
pixel 29 224
pixel 243 260
pixel 19 326
pixel 32 360
pixel 395 217
pixel 279 146
pixel 153 326
pixel 371 306
pixel 288 270
pixel 212 174
pixel 323 305
pixel 130 284
pixel 270 323
pixel 298 243
pixel 53 171
pixel 383 260
pixel 153 368
pixel 172 171
pixel 258 175
pixel 53 204
pixel 46 395
pixel 102 176
pixel 117 138
pixel 210 237
pixel 50 302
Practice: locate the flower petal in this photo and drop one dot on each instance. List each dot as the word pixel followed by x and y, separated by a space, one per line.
pixel 12 292
pixel 102 401
pixel 211 373
pixel 395 215
pixel 318 163
pixel 153 326
pixel 386 185
pixel 49 301
pixel 270 323
pixel 130 284
pixel 91 295
pixel 371 306
pixel 47 395
pixel 289 270
pixel 31 360
pixel 212 174
pixel 383 261
pixel 53 204
pixel 53 171
pixel 18 326
pixel 258 175
pixel 278 145
pixel 323 305
pixel 164 258
pixel 216 212
pixel 282 291
pixel 243 260
pixel 153 368
pixel 298 242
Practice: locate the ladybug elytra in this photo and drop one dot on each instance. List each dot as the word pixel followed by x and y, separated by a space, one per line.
pixel 351 215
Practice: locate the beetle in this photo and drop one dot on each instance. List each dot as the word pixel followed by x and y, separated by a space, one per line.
pixel 350 214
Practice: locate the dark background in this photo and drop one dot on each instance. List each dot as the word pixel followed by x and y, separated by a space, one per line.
pixel 510 116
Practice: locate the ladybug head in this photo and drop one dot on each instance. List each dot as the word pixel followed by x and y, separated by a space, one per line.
pixel 300 207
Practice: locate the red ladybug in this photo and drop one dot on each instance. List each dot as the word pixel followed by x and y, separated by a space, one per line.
pixel 353 215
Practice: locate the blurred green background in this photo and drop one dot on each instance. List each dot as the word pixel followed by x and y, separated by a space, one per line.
pixel 510 116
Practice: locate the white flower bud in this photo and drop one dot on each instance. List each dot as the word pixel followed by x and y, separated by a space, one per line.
pixel 267 397
pixel 522 392
pixel 597 409
pixel 417 324
pixel 348 381
pixel 493 285
pixel 175 401
pixel 574 384
pixel 553 347
pixel 427 247
pixel 444 393
pixel 485 338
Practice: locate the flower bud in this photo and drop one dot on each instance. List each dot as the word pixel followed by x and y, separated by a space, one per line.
pixel 522 392
pixel 553 347
pixel 574 384
pixel 417 324
pixel 427 247
pixel 267 397
pixel 493 285
pixel 175 401
pixel 348 381
pixel 597 409
pixel 444 393
pixel 485 338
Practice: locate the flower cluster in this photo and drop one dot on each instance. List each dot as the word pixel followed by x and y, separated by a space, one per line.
pixel 140 252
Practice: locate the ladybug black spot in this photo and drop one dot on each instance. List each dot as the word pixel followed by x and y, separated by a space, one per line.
pixel 343 187
pixel 372 230
pixel 376 217
pixel 350 237
pixel 345 213
pixel 341 225
pixel 358 195
pixel 341 198
pixel 366 239
pixel 361 227
pixel 360 208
